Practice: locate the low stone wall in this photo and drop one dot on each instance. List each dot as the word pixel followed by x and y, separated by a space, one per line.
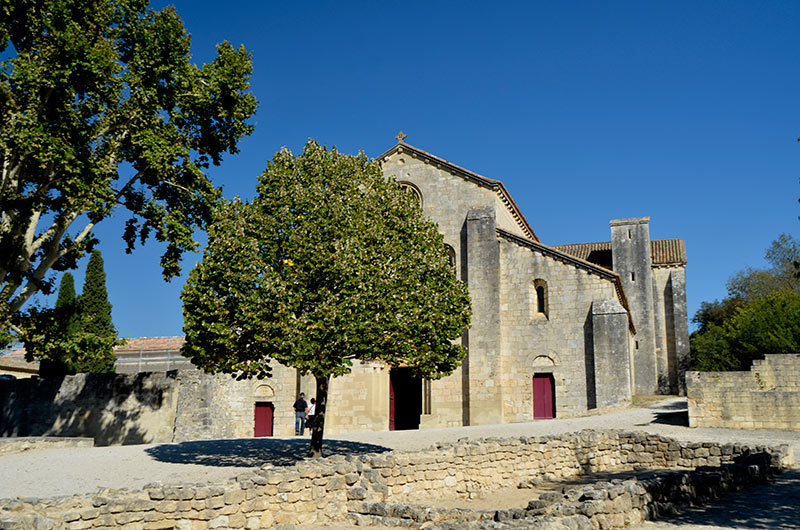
pixel 19 445
pixel 336 488
pixel 110 408
pixel 765 397
pixel 614 504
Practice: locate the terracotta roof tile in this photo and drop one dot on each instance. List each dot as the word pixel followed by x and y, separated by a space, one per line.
pixel 597 253
pixel 151 344
pixel 668 252
pixel 662 251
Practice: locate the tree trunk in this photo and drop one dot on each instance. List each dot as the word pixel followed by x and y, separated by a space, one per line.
pixel 315 451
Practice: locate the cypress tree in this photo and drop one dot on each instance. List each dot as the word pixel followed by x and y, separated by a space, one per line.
pixel 66 304
pixel 94 307
pixel 77 335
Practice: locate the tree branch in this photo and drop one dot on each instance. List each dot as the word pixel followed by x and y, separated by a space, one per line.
pixel 51 255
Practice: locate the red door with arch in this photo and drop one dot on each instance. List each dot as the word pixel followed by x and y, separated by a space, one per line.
pixel 544 397
pixel 264 414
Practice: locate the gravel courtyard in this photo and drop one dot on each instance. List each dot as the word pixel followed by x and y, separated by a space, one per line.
pixel 52 472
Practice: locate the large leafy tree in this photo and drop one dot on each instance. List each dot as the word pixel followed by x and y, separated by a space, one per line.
pixel 100 109
pixel 329 264
pixel 760 314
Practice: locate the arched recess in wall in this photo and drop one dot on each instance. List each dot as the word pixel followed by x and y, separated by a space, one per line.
pixel 548 360
pixel 263 391
pixel 540 307
pixel 412 189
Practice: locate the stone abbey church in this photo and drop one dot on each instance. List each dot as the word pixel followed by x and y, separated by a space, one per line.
pixel 556 330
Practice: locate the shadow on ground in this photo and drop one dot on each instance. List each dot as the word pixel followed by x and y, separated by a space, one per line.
pixel 672 417
pixel 770 506
pixel 675 413
pixel 253 452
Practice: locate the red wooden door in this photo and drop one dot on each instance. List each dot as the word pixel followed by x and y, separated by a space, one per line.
pixel 543 397
pixel 263 419
pixel 391 405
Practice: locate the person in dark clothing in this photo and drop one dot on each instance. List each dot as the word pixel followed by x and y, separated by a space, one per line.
pixel 300 413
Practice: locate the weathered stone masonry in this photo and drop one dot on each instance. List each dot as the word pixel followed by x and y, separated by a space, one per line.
pixel 765 397
pixel 548 311
pixel 380 488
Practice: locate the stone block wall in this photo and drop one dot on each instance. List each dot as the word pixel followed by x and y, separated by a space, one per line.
pixel 111 408
pixel 671 326
pixel 563 337
pixel 337 488
pixel 632 261
pixel 765 397
pixel 359 401
pixel 146 407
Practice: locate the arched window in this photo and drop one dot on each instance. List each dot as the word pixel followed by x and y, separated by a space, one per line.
pixel 539 303
pixel 451 255
pixel 410 188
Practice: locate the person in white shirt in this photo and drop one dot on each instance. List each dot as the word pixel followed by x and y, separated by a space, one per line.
pixel 311 412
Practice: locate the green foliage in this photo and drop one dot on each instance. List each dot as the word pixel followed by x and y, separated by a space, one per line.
pixel 770 324
pixel 94 307
pixel 101 108
pixel 67 305
pixel 78 335
pixel 759 316
pixel 61 354
pixel 331 262
pixel 716 313
pixel 711 352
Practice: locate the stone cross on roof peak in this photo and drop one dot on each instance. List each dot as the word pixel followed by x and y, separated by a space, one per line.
pixel 400 137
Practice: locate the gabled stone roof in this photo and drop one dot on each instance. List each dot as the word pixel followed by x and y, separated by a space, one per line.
pixel 493 184
pixel 663 252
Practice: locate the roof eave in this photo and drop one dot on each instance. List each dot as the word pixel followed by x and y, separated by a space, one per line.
pixel 493 184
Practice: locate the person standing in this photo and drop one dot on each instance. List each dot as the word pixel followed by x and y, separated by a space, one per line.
pixel 300 413
pixel 312 411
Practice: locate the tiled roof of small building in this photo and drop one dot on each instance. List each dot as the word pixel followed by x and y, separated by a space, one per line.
pixel 151 344
pixel 15 355
pixel 13 358
pixel 662 251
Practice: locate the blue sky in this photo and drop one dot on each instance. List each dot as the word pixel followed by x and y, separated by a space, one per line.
pixel 588 111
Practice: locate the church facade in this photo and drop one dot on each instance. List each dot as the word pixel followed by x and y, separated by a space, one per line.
pixel 556 330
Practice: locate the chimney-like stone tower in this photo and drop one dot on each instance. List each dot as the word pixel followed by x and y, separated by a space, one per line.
pixel 630 249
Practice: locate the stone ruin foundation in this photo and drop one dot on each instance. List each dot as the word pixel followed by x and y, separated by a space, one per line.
pixel 392 489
